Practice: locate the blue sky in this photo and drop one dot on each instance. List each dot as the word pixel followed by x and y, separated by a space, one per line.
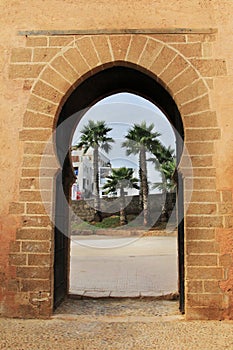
pixel 120 112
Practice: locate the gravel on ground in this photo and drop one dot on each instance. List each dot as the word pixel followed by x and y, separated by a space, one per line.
pixel 116 325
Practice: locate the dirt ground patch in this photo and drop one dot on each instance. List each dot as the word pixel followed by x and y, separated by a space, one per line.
pixel 119 307
pixel 115 325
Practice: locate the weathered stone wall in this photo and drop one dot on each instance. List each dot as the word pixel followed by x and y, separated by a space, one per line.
pixel 38 74
pixel 84 209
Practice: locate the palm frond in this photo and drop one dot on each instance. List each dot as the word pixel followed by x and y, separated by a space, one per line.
pixel 120 178
pixel 95 134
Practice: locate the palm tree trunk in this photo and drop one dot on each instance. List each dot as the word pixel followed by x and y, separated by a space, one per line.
pixel 98 216
pixel 144 185
pixel 164 211
pixel 141 189
pixel 123 218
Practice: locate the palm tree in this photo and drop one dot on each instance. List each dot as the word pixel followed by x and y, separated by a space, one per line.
pixel 167 170
pixel 121 179
pixel 139 140
pixel 94 135
pixel 162 153
pixel 165 163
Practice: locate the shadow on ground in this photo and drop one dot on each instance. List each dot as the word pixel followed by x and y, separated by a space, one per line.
pixel 119 307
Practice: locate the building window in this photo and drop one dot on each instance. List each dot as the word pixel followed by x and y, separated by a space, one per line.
pixel 75 159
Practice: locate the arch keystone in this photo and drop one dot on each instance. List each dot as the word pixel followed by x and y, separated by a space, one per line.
pixel 136 48
pixel 102 47
pixel 120 45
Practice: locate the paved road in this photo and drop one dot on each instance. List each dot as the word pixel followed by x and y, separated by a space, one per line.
pixel 106 266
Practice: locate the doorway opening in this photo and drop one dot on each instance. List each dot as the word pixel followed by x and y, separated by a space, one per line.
pixel 116 82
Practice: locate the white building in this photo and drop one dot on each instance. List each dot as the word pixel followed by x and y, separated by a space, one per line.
pixel 83 169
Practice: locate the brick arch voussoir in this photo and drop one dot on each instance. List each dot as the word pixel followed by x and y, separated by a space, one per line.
pixel 89 54
pixel 175 72
pixel 57 80
pixel 86 47
pixel 170 68
pixel 74 64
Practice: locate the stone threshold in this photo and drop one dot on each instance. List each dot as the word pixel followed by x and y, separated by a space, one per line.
pixel 83 294
pixel 123 233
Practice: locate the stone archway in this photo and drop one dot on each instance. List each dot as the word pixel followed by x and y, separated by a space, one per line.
pixel 56 66
pixel 119 78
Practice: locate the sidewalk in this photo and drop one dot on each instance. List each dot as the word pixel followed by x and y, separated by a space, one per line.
pixel 123 267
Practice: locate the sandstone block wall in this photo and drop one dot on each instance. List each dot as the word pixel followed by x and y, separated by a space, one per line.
pixel 39 71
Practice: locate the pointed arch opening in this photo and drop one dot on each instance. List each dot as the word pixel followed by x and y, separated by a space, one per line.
pixel 102 84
